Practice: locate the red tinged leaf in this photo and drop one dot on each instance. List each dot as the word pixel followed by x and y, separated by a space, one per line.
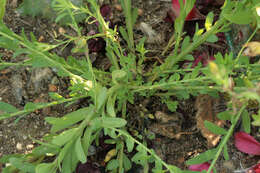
pixel 246 143
pixel 194 14
pixel 203 58
pixel 256 168
pixel 200 167
pixel 105 11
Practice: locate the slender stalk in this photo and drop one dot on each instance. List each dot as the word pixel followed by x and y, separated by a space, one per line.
pixel 168 84
pixel 4 116
pixel 170 168
pixel 120 157
pixel 174 59
pixel 227 136
pixel 2 9
pixel 128 15
pixel 44 56
pixel 250 38
pixel 170 43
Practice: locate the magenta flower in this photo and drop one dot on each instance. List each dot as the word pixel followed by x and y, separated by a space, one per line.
pixel 256 168
pixel 203 58
pixel 246 143
pixel 200 167
pixel 194 14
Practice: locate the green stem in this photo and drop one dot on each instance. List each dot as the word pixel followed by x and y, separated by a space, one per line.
pixel 4 116
pixel 170 168
pixel 227 136
pixel 241 50
pixel 120 157
pixel 174 59
pixel 2 9
pixel 7 64
pixel 170 43
pixel 36 51
pixel 128 15
pixel 159 86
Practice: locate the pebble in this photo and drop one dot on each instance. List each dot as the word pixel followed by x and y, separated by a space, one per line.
pixel 38 76
pixel 19 146
pixel 17 87
pixel 29 146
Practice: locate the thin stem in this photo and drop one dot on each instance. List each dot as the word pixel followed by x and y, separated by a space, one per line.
pixel 2 9
pixel 170 43
pixel 174 59
pixel 243 47
pixel 145 148
pixel 35 50
pixel 4 116
pixel 128 15
pixel 227 136
pixel 7 64
pixel 159 86
pixel 120 156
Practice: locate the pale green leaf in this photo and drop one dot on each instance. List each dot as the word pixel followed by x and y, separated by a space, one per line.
pixel 46 167
pixel 109 122
pixel 212 38
pixel 127 163
pixel 226 115
pixel 80 152
pixel 110 106
pixel 246 122
pixel 22 165
pixel 129 144
pixel 203 157
pixel 64 137
pixel 112 164
pixel 70 118
pixel 214 128
pixel 7 108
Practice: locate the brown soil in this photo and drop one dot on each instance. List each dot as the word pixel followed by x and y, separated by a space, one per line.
pixel 17 88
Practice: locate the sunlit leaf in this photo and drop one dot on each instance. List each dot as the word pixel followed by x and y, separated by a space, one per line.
pixel 46 167
pixel 64 137
pixel 7 108
pixel 246 122
pixel 203 157
pixel 79 151
pixel 214 128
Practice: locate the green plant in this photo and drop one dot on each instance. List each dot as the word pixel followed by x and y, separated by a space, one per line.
pixel 109 92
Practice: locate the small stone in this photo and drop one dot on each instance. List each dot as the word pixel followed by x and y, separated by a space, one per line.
pixel 29 146
pixel 19 146
pixel 25 137
pixel 62 31
pixel 140 12
pixel 53 88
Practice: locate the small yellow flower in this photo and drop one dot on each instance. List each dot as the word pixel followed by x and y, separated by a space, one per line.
pixel 213 67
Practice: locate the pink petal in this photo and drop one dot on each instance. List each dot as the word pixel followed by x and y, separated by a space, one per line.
pixel 202 57
pixel 247 143
pixel 194 14
pixel 200 167
pixel 256 168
